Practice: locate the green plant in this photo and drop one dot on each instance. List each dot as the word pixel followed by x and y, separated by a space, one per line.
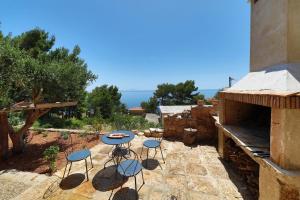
pixel 76 123
pixel 16 119
pixel 47 125
pixel 50 154
pixel 36 124
pixel 128 122
pixel 97 124
pixel 34 70
pixel 64 135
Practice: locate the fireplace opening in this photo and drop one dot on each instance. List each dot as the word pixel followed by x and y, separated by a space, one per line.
pixel 258 117
pixel 250 122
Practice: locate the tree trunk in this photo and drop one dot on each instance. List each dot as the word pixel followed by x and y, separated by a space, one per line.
pixel 18 142
pixel 4 130
pixel 17 137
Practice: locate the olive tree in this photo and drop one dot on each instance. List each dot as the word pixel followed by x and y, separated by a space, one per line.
pixel 32 71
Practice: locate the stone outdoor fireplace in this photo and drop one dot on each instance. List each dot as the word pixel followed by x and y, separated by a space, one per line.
pixel 259 117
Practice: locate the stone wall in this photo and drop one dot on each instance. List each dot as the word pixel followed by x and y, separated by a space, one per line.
pixel 200 118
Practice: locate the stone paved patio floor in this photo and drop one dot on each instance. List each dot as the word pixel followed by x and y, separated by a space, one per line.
pixel 188 174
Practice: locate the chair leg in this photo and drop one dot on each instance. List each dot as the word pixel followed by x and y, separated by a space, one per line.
pixel 155 153
pixel 147 156
pixel 129 145
pixel 137 195
pixel 91 161
pixel 87 175
pixel 70 168
pixel 143 177
pixel 65 170
pixel 162 154
pixel 111 159
pixel 142 152
pixel 135 183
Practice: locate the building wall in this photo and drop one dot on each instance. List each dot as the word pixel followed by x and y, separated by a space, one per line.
pixel 275 30
pixel 268 33
pixel 294 31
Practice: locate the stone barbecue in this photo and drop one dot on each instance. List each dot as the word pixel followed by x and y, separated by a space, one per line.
pixel 259 117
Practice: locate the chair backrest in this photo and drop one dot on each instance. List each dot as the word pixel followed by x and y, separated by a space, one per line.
pixel 159 137
pixel 66 143
pixel 134 161
pixel 157 134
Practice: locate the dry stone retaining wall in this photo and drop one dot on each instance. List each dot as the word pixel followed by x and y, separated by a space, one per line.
pixel 199 118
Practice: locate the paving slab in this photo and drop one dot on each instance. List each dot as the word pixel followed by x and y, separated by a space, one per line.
pixel 188 174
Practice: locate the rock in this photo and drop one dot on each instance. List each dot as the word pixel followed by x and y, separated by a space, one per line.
pixel 140 134
pixel 189 136
pixel 147 133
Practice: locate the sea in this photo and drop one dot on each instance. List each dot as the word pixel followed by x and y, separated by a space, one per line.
pixel 134 98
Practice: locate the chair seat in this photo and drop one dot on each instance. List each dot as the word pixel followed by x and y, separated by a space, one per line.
pixel 151 143
pixel 129 168
pixel 79 155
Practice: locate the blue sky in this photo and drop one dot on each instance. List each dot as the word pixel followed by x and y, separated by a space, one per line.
pixel 137 44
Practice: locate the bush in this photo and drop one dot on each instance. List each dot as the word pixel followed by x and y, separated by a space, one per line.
pixel 64 135
pixel 75 123
pixel 129 122
pixel 16 119
pixel 36 124
pixel 47 125
pixel 50 154
pixel 57 122
pixel 52 122
pixel 117 121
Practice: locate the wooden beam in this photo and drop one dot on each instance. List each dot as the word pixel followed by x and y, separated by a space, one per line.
pixel 40 106
pixel 55 105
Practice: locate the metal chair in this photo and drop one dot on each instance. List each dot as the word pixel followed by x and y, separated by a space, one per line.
pixel 75 156
pixel 131 168
pixel 117 154
pixel 153 144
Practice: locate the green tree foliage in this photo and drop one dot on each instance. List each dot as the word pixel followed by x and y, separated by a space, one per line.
pixel 185 93
pixel 30 70
pixel 173 94
pixel 150 106
pixel 105 100
pixel 164 93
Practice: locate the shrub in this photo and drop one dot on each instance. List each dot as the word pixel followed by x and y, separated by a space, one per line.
pixel 128 122
pixel 36 124
pixel 97 123
pixel 76 123
pixel 64 135
pixel 50 154
pixel 16 119
pixel 47 125
pixel 52 122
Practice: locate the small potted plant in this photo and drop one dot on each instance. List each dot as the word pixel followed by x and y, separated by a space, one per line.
pixel 50 154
